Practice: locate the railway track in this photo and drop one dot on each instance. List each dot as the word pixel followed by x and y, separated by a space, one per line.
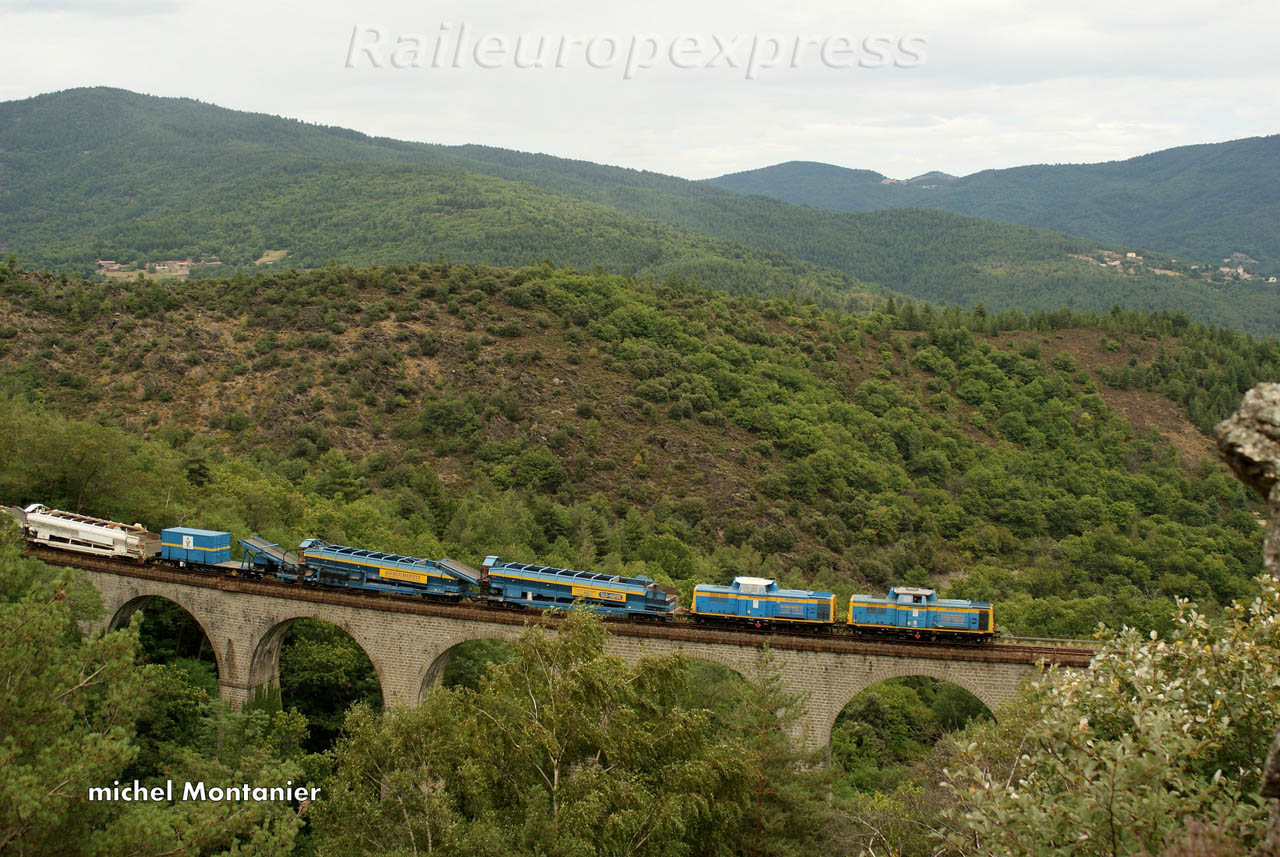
pixel 1071 653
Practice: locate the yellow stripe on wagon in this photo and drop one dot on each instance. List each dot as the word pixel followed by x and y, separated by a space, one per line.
pixel 406 576
pixel 588 591
pixel 598 594
pixel 910 628
pixel 383 571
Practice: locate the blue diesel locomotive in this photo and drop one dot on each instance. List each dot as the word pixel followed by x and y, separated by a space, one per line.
pixel 919 613
pixel 907 611
pixel 757 601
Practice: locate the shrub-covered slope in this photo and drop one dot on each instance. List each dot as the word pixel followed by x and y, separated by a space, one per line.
pixel 589 420
pixel 107 174
pixel 926 254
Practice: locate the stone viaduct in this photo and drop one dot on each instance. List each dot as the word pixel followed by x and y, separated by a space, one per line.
pixel 411 642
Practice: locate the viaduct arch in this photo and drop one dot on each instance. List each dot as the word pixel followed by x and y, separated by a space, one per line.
pixel 410 643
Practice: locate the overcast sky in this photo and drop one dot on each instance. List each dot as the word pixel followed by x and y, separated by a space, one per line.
pixel 901 88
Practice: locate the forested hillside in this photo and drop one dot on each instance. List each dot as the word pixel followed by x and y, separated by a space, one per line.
pixel 98 173
pixel 106 174
pixel 1205 202
pixel 1045 462
pixel 1054 463
pixel 928 255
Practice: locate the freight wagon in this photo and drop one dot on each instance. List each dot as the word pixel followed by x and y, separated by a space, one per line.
pixel 83 534
pixel 187 546
pixel 521 584
pixel 356 568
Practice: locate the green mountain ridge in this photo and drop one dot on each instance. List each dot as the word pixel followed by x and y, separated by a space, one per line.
pixel 1205 201
pixel 96 173
pixel 112 174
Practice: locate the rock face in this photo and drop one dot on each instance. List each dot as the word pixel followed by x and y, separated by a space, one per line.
pixel 1249 441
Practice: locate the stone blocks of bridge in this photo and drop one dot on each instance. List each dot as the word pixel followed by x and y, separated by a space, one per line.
pixel 827 681
pixel 409 651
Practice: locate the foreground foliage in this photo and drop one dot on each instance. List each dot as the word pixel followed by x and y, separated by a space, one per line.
pixel 564 750
pixel 1162 731
pixel 886 732
pixel 77 713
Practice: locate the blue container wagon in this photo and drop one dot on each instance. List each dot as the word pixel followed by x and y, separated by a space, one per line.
pixel 189 545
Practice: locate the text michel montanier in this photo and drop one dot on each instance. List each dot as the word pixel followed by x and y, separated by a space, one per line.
pixel 198 791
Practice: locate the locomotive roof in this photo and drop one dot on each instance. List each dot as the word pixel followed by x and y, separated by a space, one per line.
pixel 772 590
pixel 911 590
pixel 863 598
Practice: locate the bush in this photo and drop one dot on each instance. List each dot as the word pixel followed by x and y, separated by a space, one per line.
pixel 1063 361
pixel 540 469
pixel 1144 740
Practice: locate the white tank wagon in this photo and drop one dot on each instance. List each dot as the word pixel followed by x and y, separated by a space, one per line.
pixel 81 533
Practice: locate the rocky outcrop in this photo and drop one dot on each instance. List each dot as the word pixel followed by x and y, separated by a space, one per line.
pixel 1249 441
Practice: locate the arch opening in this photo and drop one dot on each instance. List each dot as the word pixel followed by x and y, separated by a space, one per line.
pixel 887 729
pixel 170 634
pixel 317 668
pixel 718 688
pixel 465 664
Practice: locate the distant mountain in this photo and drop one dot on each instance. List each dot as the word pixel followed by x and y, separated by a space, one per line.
pixel 1205 201
pixel 928 255
pixel 100 173
pixel 94 174
pixel 932 178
